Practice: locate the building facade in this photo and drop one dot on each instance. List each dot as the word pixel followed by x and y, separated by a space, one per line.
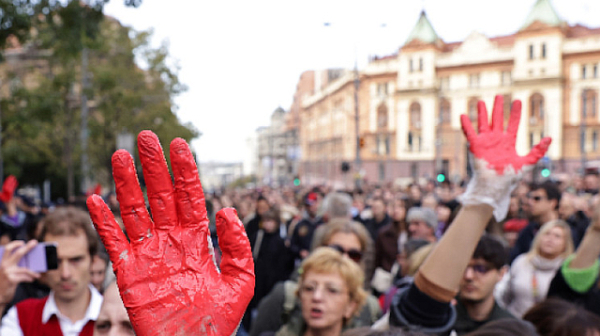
pixel 409 104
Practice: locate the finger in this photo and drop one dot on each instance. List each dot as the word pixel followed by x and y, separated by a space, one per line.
pixel 498 114
pixel 482 117
pixel 22 274
pixel 158 181
pixel 9 249
pixel 537 152
pixel 17 254
pixel 236 261
pixel 131 199
pixel 109 230
pixel 515 118
pixel 191 207
pixel 467 127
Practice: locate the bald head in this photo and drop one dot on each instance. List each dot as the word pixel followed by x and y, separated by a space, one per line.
pixel 113 319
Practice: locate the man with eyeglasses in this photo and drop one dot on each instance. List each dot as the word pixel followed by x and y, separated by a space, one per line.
pixel 476 304
pixel 543 200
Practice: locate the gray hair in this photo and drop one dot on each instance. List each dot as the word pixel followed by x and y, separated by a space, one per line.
pixel 422 214
pixel 337 205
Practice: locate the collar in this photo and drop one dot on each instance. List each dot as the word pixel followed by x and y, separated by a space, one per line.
pixel 91 313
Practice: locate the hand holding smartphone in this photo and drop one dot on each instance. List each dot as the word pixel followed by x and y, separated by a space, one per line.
pixel 23 262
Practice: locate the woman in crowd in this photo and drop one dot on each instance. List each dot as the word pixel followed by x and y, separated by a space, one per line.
pixel 530 275
pixel 555 317
pixel 281 305
pixel 330 291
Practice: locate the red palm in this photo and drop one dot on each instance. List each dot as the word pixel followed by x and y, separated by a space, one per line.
pixel 166 274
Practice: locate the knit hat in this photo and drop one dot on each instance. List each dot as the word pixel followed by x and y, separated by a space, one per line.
pixel 422 214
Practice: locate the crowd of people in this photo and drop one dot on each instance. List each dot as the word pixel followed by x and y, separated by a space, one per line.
pixel 494 255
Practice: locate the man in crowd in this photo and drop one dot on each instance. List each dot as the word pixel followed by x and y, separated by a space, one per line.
pixel 543 201
pixel 476 304
pixel 304 230
pixel 422 223
pixel 113 319
pixel 73 304
pixel 380 217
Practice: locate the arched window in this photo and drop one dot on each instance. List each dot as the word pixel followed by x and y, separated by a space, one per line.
pixel 536 109
pixel 472 108
pixel 589 100
pixel 415 115
pixel 382 116
pixel 445 111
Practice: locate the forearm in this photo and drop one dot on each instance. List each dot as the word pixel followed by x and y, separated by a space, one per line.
pixel 588 250
pixel 447 262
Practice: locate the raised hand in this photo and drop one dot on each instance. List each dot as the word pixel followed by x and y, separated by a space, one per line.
pixel 497 165
pixel 166 272
pixel 8 188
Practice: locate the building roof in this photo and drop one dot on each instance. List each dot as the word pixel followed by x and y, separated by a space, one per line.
pixel 542 12
pixel 423 31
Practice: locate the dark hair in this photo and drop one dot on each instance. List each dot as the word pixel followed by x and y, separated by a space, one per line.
pixel 505 327
pixel 70 221
pixel 412 245
pixel 551 189
pixel 491 250
pixel 556 317
pixel 271 215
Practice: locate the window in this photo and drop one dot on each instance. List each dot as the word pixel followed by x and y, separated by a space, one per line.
pixel 410 65
pixel 536 109
pixel 595 70
pixel 507 106
pixel 472 106
pixel 543 50
pixel 382 116
pixel 531 51
pixel 382 89
pixel 474 80
pixel 506 78
pixel 588 104
pixel 445 83
pixel 583 71
pixel 420 64
pixel 444 111
pixel 410 141
pixel 531 140
pixel 595 141
pixel 415 115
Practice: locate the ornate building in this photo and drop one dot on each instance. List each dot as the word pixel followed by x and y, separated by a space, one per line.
pixel 410 103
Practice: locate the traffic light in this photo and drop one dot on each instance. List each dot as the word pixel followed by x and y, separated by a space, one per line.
pixel 297 181
pixel 441 177
pixel 545 172
pixel 361 142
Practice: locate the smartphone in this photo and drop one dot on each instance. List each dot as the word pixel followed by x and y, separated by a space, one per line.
pixel 42 258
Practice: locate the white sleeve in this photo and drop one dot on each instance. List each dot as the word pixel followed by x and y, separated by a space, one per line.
pixel 10 324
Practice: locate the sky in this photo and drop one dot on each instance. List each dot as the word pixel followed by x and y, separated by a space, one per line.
pixel 241 59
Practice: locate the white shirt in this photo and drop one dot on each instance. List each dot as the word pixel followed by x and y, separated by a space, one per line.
pixel 11 327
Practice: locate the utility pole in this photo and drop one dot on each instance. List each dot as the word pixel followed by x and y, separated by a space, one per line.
pixel 85 166
pixel 356 120
pixel 582 131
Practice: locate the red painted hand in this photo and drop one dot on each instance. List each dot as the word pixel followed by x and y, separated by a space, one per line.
pixel 497 166
pixel 8 188
pixel 494 145
pixel 166 274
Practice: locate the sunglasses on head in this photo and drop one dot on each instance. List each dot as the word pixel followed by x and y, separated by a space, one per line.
pixel 354 254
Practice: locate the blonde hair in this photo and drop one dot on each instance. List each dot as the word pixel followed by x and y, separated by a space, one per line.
pixel 325 260
pixel 418 257
pixel 535 245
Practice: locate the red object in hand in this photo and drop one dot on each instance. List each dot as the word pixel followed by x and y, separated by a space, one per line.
pixel 97 189
pixel 8 188
pixel 494 145
pixel 166 274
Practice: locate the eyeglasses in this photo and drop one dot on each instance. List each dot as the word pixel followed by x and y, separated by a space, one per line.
pixel 536 198
pixel 479 268
pixel 354 254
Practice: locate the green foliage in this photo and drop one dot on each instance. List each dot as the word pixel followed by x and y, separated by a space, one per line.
pixel 42 120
